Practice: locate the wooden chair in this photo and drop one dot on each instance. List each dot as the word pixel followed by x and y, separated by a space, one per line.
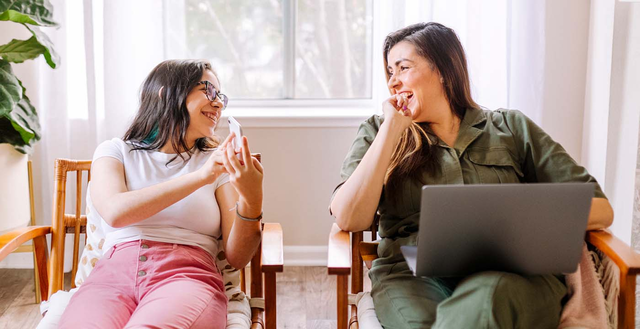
pixel 267 261
pixel 347 252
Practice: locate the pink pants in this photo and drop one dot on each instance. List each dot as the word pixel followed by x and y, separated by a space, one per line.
pixel 147 284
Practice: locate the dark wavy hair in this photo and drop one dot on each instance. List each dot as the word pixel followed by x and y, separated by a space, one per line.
pixel 163 116
pixel 440 46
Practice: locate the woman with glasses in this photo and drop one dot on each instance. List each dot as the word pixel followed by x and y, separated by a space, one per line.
pixel 432 132
pixel 165 193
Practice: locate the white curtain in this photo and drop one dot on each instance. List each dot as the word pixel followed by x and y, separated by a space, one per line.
pixel 527 54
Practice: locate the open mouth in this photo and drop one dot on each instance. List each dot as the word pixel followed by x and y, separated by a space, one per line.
pixel 210 116
pixel 407 96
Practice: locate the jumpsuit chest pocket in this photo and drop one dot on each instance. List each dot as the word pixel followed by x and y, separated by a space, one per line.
pixel 495 166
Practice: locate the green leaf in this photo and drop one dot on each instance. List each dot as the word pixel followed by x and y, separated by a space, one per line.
pixel 11 91
pixel 19 125
pixel 9 135
pixel 18 51
pixel 49 54
pixel 34 12
pixel 25 121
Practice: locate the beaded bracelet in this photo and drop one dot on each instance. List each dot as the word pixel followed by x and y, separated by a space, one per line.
pixel 248 219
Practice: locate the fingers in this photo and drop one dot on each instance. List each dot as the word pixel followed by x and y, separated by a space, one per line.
pixel 399 101
pixel 246 154
pixel 232 159
pixel 402 104
pixel 257 165
pixel 227 163
pixel 227 140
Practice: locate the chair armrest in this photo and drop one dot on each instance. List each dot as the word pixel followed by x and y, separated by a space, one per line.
pixel 272 249
pixel 627 260
pixel 339 255
pixel 12 240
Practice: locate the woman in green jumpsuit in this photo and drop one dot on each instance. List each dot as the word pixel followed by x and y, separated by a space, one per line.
pixel 432 132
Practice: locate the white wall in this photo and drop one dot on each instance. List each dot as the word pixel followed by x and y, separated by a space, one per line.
pixel 302 161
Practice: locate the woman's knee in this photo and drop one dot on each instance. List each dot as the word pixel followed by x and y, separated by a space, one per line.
pixel 407 303
pixel 506 300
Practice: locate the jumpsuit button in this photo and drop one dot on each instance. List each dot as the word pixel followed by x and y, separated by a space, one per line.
pixel 143 258
pixel 142 273
pixel 144 246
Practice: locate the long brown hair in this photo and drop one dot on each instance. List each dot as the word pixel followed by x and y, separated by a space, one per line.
pixel 163 114
pixel 440 46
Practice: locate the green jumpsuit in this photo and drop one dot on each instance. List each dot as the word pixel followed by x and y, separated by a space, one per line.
pixel 492 147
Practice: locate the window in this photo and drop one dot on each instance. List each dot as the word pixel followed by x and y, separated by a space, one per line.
pixel 277 49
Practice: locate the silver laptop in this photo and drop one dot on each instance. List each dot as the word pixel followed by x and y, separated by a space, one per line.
pixel 522 228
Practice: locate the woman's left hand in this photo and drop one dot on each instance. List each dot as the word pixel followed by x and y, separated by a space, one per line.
pixel 245 176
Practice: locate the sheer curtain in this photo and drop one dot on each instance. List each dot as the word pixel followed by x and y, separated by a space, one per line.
pixel 528 55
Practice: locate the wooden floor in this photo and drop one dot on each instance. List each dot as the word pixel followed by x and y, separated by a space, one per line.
pixel 306 298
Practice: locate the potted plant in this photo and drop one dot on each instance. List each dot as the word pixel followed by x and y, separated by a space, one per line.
pixel 19 126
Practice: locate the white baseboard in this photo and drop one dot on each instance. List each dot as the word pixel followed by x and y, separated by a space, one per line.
pixel 293 256
pixel 18 260
pixel 305 255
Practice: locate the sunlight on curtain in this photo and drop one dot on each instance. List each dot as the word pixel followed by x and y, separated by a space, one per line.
pixel 77 66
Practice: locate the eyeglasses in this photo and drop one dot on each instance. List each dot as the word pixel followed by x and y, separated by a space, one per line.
pixel 212 93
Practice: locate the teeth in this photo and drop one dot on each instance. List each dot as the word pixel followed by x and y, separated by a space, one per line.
pixel 210 116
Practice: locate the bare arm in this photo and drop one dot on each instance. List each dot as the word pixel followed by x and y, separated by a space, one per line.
pixel 120 207
pixel 601 215
pixel 355 203
pixel 240 238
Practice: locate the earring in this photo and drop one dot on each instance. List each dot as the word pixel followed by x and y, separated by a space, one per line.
pixel 441 80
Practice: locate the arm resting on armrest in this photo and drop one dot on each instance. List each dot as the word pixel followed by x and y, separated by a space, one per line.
pixel 339 261
pixel 272 250
pixel 627 260
pixel 12 240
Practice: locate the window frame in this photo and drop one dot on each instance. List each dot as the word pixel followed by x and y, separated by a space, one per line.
pixel 288 106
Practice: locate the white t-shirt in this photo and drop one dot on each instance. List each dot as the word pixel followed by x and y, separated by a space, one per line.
pixel 194 220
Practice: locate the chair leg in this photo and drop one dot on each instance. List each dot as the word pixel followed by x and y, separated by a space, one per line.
pixel 257 318
pixel 41 259
pixel 627 301
pixel 353 322
pixel 36 281
pixel 270 300
pixel 343 316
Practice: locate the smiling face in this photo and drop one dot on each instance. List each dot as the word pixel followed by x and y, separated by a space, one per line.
pixel 203 114
pixel 415 78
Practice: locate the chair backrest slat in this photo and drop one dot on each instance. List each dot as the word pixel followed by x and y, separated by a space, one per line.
pixel 63 223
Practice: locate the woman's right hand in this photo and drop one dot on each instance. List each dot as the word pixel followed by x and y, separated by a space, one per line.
pixel 396 113
pixel 214 166
pixel 245 176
